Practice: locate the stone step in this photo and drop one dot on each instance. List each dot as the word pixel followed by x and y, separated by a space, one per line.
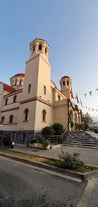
pixel 80 139
pixel 74 142
pixel 81 145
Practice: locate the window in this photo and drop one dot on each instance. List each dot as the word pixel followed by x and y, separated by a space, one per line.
pixel 59 97
pixel 75 117
pixel 14 99
pixel 43 115
pixel 26 111
pixel 34 48
pixel 45 50
pixel 67 82
pixel 29 88
pixel 63 83
pixel 44 89
pixel 6 101
pixel 12 82
pixel 40 47
pixel 3 118
pixel 11 119
pixel 20 82
pixel 15 82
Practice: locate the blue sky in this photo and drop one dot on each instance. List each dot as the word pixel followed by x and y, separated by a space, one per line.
pixel 71 29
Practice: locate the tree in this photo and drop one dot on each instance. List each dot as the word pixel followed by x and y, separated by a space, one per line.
pixel 58 128
pixel 87 120
pixel 47 131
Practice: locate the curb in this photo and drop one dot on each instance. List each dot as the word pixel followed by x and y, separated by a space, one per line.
pixel 69 173
pixel 85 198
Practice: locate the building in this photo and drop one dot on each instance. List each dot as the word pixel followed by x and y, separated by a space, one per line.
pixel 32 101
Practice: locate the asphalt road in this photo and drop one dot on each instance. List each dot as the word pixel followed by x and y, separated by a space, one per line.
pixel 24 186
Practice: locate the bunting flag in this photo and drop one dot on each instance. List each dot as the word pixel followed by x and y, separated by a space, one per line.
pixel 90 92
pixel 77 98
pixel 90 109
pixel 79 101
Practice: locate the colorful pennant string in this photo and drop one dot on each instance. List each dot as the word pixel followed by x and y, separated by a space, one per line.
pixel 79 101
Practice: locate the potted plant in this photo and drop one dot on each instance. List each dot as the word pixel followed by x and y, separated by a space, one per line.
pixel 46 144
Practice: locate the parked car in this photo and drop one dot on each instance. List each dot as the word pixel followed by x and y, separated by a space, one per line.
pixel 7 141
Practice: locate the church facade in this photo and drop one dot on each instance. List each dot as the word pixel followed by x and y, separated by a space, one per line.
pixel 32 101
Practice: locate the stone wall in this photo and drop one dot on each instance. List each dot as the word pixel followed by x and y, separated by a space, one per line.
pixel 21 137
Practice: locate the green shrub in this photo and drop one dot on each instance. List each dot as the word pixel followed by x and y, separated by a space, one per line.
pixel 40 139
pixel 71 161
pixel 58 128
pixel 46 142
pixel 47 131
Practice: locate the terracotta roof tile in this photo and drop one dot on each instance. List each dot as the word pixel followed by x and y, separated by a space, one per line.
pixel 18 74
pixel 65 77
pixel 8 88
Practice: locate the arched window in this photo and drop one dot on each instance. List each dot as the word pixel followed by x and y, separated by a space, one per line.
pixel 2 118
pixel 20 82
pixel 15 82
pixel 26 111
pixel 34 48
pixel 46 50
pixel 76 118
pixel 59 98
pixel 29 88
pixel 40 47
pixel 44 89
pixel 67 82
pixel 44 115
pixel 12 82
pixel 71 115
pixel 14 99
pixel 6 101
pixel 63 83
pixel 11 119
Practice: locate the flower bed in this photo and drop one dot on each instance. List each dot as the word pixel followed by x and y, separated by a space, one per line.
pixel 45 145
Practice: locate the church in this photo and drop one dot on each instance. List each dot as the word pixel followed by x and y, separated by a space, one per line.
pixel 32 101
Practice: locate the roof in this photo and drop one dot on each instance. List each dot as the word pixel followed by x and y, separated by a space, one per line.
pixel 8 88
pixel 65 77
pixel 18 74
pixel 39 39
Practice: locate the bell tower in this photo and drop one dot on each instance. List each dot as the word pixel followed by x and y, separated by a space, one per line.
pixel 66 87
pixel 37 73
pixel 36 96
pixel 39 46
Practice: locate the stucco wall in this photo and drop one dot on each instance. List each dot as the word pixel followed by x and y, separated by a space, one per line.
pixel 60 113
pixel 30 123
pixel 31 77
pixel 39 123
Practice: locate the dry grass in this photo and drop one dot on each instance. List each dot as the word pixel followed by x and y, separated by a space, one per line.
pixel 49 161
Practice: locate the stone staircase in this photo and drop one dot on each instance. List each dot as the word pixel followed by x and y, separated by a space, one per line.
pixel 80 139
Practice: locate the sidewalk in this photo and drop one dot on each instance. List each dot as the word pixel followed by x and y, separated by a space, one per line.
pixel 88 155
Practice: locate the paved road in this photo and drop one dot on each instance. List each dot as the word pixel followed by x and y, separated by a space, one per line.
pixel 24 186
pixel 89 197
